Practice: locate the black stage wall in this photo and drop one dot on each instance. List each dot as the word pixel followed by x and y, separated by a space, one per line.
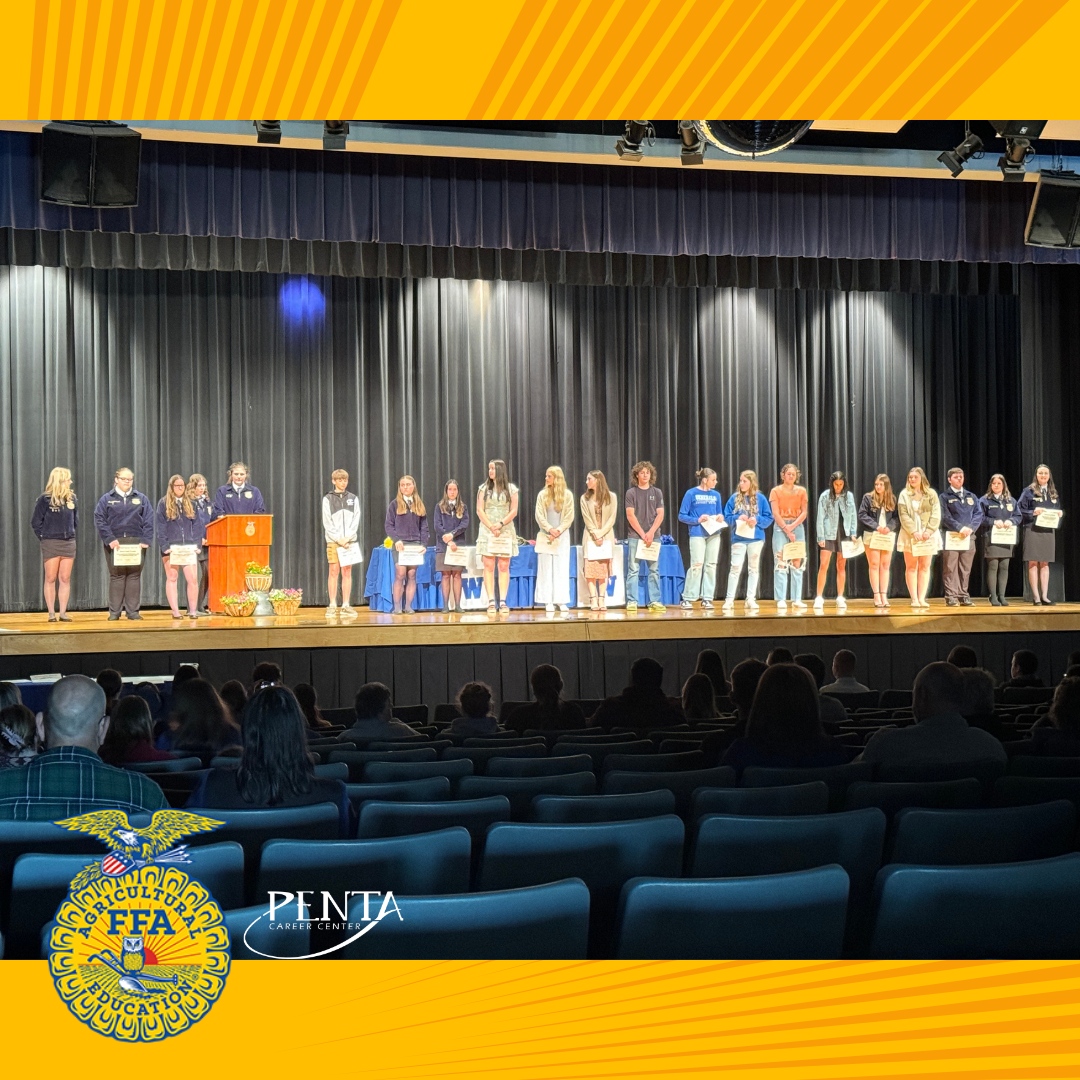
pixel 431 674
pixel 181 371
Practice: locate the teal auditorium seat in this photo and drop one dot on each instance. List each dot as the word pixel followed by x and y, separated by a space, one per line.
pixel 549 766
pixel 792 916
pixel 811 798
pixel 682 784
pixel 933 794
pixel 407 818
pixel 583 809
pixel 389 772
pixel 521 790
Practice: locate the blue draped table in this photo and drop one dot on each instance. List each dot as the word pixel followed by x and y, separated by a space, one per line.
pixel 672 574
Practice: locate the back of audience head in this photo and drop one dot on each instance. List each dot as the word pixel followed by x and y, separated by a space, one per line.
pixel 235 695
pixel 149 693
pixel 938 688
pixel 844 662
pixel 779 655
pixel 275 762
pixel 200 719
pixel 474 699
pixel 785 714
pixel 112 683
pixel 265 674
pixel 9 695
pixel 698 698
pixel 1024 664
pixel 745 677
pixel 547 683
pixel 18 731
pixel 75 714
pixel 308 700
pixel 373 701
pixel 1072 671
pixel 130 725
pixel 1073 661
pixel 978 692
pixel 709 662
pixel 1065 707
pixel 962 656
pixel 183 674
pixel 814 664
pixel 646 674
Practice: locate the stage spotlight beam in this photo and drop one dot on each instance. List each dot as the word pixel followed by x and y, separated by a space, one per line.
pixel 636 133
pixel 693 145
pixel 268 131
pixel 954 160
pixel 335 133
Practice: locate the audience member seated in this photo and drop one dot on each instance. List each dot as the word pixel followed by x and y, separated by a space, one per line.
pixel 962 656
pixel 779 655
pixel 709 662
pixel 200 722
pixel 550 711
pixel 978 710
pixel 308 700
pixel 184 673
pixel 265 674
pixel 68 777
pixel 275 769
pixel 9 695
pixel 477 718
pixel 698 699
pixel 844 681
pixel 643 705
pixel 1072 662
pixel 784 729
pixel 831 709
pixel 745 677
pixel 131 734
pixel 940 733
pixel 18 735
pixel 1061 737
pixel 149 693
pixel 1025 665
pixel 1072 671
pixel 374 717
pixel 235 695
pixel 112 682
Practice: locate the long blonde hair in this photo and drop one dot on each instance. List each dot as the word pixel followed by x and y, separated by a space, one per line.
pixel 601 494
pixel 194 480
pixel 59 487
pixel 924 483
pixel 888 499
pixel 749 500
pixel 556 494
pixel 173 505
pixel 417 503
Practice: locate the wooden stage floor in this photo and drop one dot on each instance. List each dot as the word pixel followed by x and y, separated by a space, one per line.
pixel 157 631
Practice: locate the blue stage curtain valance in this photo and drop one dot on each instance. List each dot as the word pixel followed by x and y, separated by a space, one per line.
pixel 190 189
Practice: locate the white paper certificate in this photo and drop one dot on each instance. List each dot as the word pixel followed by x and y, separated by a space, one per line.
pixel 599 552
pixel 919 548
pixel 955 542
pixel 648 552
pixel 456 558
pixel 883 541
pixel 794 550
pixel 545 545
pixel 713 525
pixel 1049 519
pixel 349 556
pixel 851 549
pixel 745 529
pixel 183 555
pixel 1006 536
pixel 127 555
pixel 411 555
pixel 502 546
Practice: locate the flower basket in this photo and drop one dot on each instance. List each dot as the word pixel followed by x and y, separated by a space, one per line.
pixel 239 608
pixel 258 582
pixel 286 607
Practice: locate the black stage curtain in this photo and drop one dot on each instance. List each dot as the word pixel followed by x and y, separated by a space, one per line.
pixel 178 371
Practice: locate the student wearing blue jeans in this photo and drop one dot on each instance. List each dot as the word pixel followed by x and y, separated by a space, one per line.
pixel 699 506
pixel 644 515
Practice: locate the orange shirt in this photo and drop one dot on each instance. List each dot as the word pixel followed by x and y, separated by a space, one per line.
pixel 789 505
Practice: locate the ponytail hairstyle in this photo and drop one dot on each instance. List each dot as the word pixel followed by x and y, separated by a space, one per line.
pixel 790 465
pixel 704 473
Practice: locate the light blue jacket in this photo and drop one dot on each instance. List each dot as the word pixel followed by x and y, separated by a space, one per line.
pixel 828 515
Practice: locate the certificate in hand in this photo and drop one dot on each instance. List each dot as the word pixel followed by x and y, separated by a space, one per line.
pixel 851 549
pixel 713 525
pixel 919 548
pixel 183 555
pixel 351 555
pixel 456 558
pixel 127 555
pixel 796 549
pixel 648 552
pixel 599 552
pixel 955 542
pixel 883 541
pixel 412 555
pixel 1049 519
pixel 502 546
pixel 745 529
pixel 1006 536
pixel 545 545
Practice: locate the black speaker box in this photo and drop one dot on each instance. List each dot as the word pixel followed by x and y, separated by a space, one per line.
pixel 89 163
pixel 1055 212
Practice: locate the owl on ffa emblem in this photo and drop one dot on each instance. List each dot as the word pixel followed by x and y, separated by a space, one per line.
pixel 139 950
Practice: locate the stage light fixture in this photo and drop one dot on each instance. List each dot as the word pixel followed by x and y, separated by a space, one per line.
pixel 335 132
pixel 752 138
pixel 954 160
pixel 636 133
pixel 268 131
pixel 693 146
pixel 1011 163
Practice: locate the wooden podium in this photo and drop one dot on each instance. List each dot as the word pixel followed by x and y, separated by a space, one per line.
pixel 233 541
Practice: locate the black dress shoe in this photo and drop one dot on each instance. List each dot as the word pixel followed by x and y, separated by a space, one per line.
pixel 966 601
pixel 1048 603
pixel 1036 602
pixel 132 618
pixel 951 601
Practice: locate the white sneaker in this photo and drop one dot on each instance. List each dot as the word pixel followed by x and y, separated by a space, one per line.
pixel 549 608
pixel 841 604
pixel 729 607
pixel 781 605
pixel 798 605
pixel 564 608
pixel 331 611
pixel 752 606
pixel 707 605
pixel 819 603
pixel 348 611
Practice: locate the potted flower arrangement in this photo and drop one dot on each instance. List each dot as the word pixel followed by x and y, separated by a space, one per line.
pixel 239 605
pixel 286 601
pixel 257 578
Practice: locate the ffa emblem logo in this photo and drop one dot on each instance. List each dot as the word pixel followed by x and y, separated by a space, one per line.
pixel 249 529
pixel 135 502
pixel 971 502
pixel 247 494
pixel 139 951
pixel 71 504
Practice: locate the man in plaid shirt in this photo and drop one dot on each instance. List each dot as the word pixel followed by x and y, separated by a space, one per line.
pixel 69 778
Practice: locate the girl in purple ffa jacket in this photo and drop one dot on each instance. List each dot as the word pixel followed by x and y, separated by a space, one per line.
pixel 406 523
pixel 179 524
pixel 451 525
pixel 56 516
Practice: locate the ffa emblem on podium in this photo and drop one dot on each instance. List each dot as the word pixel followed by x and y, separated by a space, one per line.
pixel 139 950
pixel 249 528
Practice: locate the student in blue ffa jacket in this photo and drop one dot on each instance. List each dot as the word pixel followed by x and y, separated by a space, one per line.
pixel 961 513
pixel 1039 542
pixel 701 506
pixel 238 496
pixel 124 515
pixel 1000 511
pixel 198 492
pixel 837 521
pixel 406 523
pixel 451 527
pixel 180 525
pixel 878 514
pixel 56 516
pixel 749 506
